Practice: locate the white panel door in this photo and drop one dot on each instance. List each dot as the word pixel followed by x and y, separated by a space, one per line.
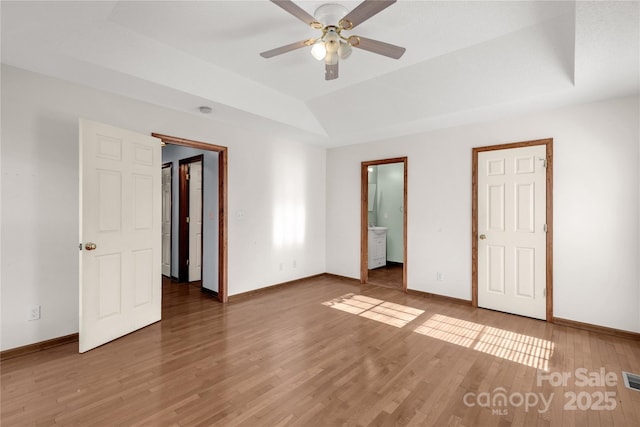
pixel 120 189
pixel 195 221
pixel 511 230
pixel 166 220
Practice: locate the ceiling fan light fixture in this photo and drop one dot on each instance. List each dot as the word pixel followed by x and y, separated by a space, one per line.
pixel 345 24
pixel 319 51
pixel 344 51
pixel 332 41
pixel 331 58
pixel 330 13
pixel 332 46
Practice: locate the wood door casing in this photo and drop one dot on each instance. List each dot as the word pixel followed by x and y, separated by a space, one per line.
pixel 364 217
pixel 549 218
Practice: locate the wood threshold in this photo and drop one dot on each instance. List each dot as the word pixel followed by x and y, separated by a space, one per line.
pixel 39 346
pixel 438 297
pixel 243 295
pixel 620 333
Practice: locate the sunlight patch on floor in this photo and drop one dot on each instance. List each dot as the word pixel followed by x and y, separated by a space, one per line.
pixel 386 312
pixel 520 348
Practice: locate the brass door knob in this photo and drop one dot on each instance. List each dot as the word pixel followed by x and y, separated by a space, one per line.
pixel 90 246
pixel 482 237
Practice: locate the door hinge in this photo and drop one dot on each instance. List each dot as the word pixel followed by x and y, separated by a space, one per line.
pixel 189 220
pixel 544 162
pixel 544 292
pixel 187 262
pixel 187 177
pixel 545 228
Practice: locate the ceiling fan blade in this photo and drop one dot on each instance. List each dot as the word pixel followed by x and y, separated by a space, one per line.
pixel 287 48
pixel 375 46
pixel 331 71
pixel 298 12
pixel 364 11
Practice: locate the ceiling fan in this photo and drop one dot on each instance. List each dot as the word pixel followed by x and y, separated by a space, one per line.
pixel 332 45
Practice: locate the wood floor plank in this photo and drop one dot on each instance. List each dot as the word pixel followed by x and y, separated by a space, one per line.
pixel 389 276
pixel 283 358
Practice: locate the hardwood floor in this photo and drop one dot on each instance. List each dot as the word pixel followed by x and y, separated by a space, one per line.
pixel 389 276
pixel 325 352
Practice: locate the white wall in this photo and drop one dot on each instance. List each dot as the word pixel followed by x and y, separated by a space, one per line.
pixel 277 202
pixel 596 206
pixel 276 198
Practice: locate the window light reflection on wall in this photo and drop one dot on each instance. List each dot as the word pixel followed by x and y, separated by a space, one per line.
pixel 289 192
pixel 289 224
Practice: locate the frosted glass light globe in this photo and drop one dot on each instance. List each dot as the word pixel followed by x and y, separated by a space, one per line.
pixel 319 51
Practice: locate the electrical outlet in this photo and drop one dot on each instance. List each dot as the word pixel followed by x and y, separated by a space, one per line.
pixel 34 312
pixel 439 277
pixel 294 263
pixel 281 266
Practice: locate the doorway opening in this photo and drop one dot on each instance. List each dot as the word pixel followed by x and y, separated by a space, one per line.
pixel 512 228
pixel 383 222
pixel 222 220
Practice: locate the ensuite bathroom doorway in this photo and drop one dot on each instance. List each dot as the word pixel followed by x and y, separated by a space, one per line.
pixel 384 223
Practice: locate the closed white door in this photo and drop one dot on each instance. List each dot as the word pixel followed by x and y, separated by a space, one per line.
pixel 195 221
pixel 511 230
pixel 120 190
pixel 166 220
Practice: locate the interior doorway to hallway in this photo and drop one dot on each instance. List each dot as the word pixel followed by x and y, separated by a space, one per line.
pixel 215 213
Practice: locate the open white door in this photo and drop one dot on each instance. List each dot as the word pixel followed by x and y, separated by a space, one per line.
pixel 166 219
pixel 120 257
pixel 511 230
pixel 195 221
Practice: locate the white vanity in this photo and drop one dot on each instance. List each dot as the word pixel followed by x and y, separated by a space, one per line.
pixel 377 247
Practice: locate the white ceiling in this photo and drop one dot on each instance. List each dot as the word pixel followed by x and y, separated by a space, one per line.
pixel 465 61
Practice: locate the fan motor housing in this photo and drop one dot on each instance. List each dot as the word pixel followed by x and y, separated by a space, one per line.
pixel 330 13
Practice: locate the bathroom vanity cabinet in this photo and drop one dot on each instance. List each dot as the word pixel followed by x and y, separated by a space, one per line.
pixel 377 247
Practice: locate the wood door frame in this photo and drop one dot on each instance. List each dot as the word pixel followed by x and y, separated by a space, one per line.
pixel 169 165
pixel 184 199
pixel 549 212
pixel 364 217
pixel 222 205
